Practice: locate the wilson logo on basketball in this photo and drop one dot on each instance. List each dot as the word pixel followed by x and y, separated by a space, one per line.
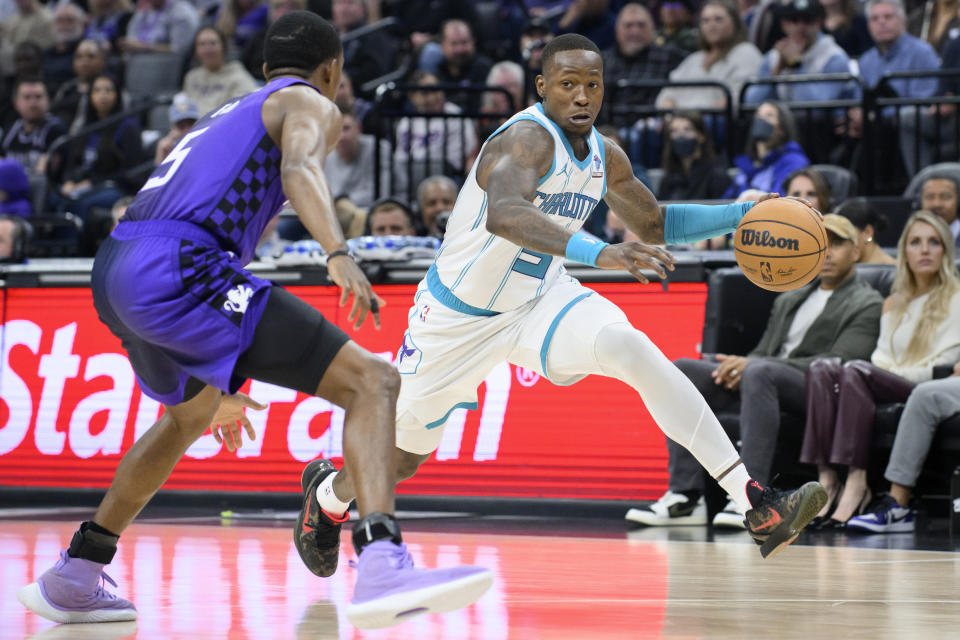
pixel 749 237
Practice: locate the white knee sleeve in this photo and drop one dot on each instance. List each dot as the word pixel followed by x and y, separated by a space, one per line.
pixel 676 405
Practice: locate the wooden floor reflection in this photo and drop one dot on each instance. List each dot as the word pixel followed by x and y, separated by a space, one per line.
pixel 191 581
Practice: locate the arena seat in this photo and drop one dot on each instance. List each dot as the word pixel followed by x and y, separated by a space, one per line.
pixel 843 182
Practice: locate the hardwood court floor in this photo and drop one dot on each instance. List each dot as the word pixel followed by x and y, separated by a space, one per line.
pixel 212 581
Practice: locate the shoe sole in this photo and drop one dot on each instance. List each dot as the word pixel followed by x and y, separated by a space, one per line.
pixel 812 500
pixel 862 527
pixel 650 519
pixel 394 609
pixel 32 598
pixel 306 477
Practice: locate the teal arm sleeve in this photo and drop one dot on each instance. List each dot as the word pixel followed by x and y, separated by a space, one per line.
pixel 683 223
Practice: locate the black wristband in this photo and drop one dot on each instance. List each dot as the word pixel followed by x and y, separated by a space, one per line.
pixel 339 252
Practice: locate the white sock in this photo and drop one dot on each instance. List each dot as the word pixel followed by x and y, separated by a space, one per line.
pixel 328 500
pixel 735 484
pixel 678 408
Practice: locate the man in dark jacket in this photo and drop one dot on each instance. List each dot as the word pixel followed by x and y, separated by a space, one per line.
pixel 835 316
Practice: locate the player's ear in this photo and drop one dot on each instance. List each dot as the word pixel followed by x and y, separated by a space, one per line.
pixel 264 69
pixel 541 85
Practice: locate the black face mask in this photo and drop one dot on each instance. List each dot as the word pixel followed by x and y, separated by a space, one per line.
pixel 760 129
pixel 684 146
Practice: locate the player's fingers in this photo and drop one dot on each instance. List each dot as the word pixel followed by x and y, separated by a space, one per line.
pixel 768 196
pixel 234 436
pixel 635 271
pixel 375 310
pixel 214 429
pixel 344 294
pixel 645 261
pixel 248 427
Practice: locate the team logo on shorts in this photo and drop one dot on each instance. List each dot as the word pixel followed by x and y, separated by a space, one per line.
pixel 409 356
pixel 238 298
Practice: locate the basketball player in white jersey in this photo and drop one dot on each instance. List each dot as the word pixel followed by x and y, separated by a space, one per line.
pixel 498 292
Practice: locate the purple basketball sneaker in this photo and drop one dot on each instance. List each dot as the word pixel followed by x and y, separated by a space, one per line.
pixel 390 590
pixel 73 591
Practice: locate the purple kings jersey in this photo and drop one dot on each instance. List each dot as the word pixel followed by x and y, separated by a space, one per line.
pixel 224 175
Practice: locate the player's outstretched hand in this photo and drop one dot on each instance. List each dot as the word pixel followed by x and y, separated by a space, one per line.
pixel 229 417
pixel 350 278
pixel 635 256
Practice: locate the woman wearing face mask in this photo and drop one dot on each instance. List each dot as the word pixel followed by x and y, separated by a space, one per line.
pixel 691 170
pixel 772 151
pixel 810 185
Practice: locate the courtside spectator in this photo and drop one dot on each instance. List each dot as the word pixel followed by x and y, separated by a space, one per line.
pixel 29 138
pixel 436 195
pixel 162 26
pixel 507 75
pixel 939 195
pixel 241 20
pixel 847 24
pixel 810 185
pixel 252 55
pixel 350 166
pixel 868 223
pixel 725 56
pixel 534 38
pixel 919 330
pixel 215 80
pixel 367 57
pixel 929 404
pixel 183 115
pixel 95 164
pixel 676 25
pixel 594 19
pixel 430 145
pixel 69 22
pixel 71 101
pixel 460 64
pixel 108 23
pixel 894 50
pixel 361 109
pixel 837 315
pixel 772 151
pixel 934 21
pixel 31 23
pixel 390 217
pixel 27 63
pixel 15 198
pixel 634 56
pixel 805 50
pixel 691 168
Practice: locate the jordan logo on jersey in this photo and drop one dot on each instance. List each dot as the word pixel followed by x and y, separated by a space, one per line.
pixel 238 298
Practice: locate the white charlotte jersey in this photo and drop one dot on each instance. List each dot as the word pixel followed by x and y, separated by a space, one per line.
pixel 482 274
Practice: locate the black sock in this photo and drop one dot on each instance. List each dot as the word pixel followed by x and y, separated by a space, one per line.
pixel 90 525
pixel 375 526
pixel 692 495
pixel 93 542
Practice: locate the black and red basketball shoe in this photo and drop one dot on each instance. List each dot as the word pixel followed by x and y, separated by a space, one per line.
pixel 778 517
pixel 317 533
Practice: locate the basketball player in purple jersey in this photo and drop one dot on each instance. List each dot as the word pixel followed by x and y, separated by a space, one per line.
pixel 170 283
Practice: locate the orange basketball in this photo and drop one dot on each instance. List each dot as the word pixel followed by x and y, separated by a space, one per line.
pixel 780 244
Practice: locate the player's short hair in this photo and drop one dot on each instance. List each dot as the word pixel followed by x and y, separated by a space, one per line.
pixel 567 42
pixel 300 40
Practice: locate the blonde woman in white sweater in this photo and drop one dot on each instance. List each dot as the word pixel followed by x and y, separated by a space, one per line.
pixel 919 329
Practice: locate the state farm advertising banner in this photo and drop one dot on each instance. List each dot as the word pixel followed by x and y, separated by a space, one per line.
pixel 70 407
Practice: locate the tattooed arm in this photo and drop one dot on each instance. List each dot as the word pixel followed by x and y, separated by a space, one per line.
pixel 629 198
pixel 510 168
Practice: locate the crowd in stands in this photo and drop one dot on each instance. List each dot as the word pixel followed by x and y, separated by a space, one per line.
pixel 711 100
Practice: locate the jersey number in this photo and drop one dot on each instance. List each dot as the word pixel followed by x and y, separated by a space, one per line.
pixel 173 161
pixel 533 264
